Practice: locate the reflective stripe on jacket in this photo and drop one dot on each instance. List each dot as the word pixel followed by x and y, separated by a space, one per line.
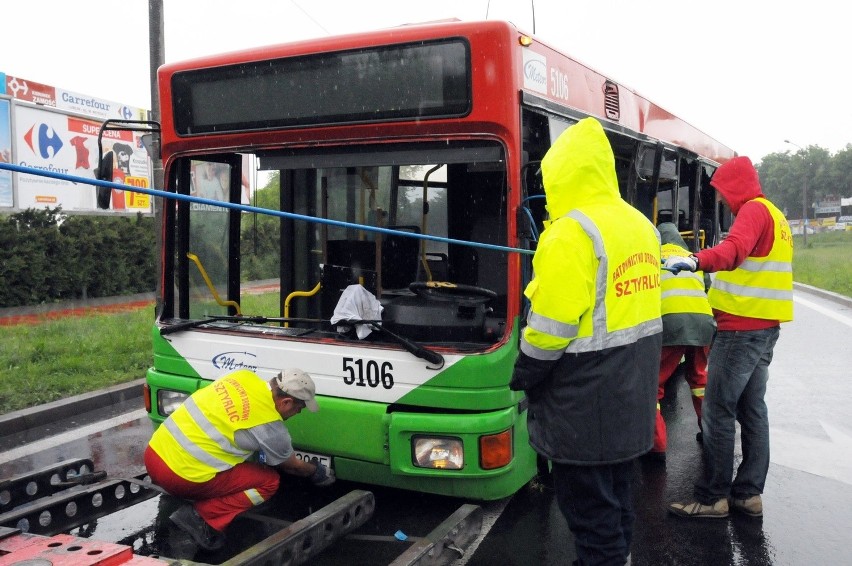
pixel 684 292
pixel 687 316
pixel 761 287
pixel 197 440
pixel 620 276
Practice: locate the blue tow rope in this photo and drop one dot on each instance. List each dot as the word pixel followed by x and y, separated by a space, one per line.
pixel 249 208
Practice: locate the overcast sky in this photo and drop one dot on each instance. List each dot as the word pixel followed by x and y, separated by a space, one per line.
pixel 750 73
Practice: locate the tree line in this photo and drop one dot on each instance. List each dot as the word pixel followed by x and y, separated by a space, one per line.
pixel 785 177
pixel 48 256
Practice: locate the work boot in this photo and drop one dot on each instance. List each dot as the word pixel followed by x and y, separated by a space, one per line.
pixel 694 509
pixel 188 519
pixel 752 506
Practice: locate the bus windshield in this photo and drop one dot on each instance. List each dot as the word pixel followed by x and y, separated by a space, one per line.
pixel 430 290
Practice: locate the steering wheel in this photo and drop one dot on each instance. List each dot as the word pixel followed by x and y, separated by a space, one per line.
pixel 447 291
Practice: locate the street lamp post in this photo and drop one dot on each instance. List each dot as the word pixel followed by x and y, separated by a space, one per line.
pixel 804 197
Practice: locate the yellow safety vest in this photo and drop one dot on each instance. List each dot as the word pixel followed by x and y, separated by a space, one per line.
pixel 761 287
pixel 197 440
pixel 684 292
pixel 614 268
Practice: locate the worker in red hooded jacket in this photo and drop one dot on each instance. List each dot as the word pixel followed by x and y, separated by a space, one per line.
pixel 751 294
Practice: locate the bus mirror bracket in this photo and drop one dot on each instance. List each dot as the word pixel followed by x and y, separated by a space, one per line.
pixel 150 141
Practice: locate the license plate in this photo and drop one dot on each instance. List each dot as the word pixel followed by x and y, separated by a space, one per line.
pixel 313 458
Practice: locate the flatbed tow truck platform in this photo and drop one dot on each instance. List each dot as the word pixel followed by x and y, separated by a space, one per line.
pixel 39 509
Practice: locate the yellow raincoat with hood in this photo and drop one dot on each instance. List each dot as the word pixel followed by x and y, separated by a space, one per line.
pixel 590 352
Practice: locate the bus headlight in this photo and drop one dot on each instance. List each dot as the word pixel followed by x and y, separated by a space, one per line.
pixel 443 453
pixel 168 401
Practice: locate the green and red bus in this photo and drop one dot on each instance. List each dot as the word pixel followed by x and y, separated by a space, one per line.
pixel 403 177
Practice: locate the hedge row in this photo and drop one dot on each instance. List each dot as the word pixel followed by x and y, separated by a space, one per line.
pixel 47 256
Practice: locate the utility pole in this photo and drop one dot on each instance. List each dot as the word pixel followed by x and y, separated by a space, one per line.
pixel 805 206
pixel 804 193
pixel 156 59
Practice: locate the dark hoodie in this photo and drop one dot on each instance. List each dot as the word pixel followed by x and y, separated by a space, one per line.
pixel 752 234
pixel 669 234
pixel 687 328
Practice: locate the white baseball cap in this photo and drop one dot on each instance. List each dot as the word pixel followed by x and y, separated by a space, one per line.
pixel 297 383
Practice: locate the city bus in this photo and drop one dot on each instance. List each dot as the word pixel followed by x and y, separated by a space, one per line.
pixel 401 206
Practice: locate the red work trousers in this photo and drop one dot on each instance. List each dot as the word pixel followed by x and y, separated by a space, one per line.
pixel 222 498
pixel 695 370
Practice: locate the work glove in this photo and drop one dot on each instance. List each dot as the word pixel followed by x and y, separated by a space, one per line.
pixel 676 264
pixel 323 476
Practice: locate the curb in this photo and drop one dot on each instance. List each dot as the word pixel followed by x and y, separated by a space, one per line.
pixel 26 419
pixel 831 296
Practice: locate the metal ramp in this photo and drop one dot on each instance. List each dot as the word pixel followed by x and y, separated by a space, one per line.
pixel 60 497
pixel 38 508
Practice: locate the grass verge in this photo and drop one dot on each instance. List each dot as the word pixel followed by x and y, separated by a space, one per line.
pixel 826 261
pixel 58 358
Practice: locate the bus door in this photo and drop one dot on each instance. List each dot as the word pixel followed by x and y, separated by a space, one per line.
pixel 703 218
pixel 207 239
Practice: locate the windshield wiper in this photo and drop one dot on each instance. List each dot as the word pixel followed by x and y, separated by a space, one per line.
pixel 415 349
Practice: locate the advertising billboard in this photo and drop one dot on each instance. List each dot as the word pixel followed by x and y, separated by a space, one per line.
pixel 61 143
pixel 48 128
pixel 5 153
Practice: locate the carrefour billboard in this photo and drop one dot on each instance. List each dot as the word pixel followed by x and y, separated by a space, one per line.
pixel 57 130
pixel 5 153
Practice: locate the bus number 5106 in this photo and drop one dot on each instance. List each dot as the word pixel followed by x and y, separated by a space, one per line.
pixel 361 374
pixel 558 84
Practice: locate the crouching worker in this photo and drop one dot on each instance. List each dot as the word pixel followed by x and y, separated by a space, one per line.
pixel 199 453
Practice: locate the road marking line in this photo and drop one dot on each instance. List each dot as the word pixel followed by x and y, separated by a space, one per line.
pixel 70 436
pixel 827 458
pixel 822 310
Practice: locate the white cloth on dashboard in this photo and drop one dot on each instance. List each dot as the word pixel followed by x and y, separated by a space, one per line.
pixel 357 303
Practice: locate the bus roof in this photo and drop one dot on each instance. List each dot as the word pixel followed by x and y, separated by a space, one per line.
pixel 540 74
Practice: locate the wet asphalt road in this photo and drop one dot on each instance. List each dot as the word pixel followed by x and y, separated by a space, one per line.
pixel 808 495
pixel 807 501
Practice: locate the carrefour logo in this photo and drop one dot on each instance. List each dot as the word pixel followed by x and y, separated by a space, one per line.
pixel 232 361
pixel 125 112
pixel 43 140
pixel 535 71
pixel 93 103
